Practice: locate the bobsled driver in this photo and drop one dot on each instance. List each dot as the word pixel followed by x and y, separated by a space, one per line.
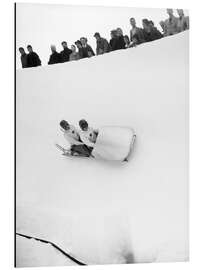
pixel 77 147
pixel 88 135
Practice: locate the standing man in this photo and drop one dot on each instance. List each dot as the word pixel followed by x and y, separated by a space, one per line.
pixel 102 44
pixel 55 57
pixel 183 21
pixel 150 31
pixel 114 40
pixel 23 57
pixel 136 32
pixel 82 53
pixel 121 41
pixel 86 47
pixel 33 59
pixel 65 54
pixel 171 23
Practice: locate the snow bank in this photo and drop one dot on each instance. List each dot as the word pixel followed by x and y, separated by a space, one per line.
pixel 98 211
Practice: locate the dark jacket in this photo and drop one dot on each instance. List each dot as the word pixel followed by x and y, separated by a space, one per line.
pixel 152 35
pixel 113 43
pixel 102 46
pixel 138 34
pixel 120 43
pixel 82 53
pixel 117 43
pixel 24 60
pixel 54 58
pixel 33 60
pixel 89 50
pixel 85 52
pixel 65 54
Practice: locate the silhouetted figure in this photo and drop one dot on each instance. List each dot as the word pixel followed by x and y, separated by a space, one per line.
pixel 55 57
pixel 183 21
pixel 136 32
pixel 33 59
pixel 86 47
pixel 65 54
pixel 81 51
pixel 171 24
pixel 23 57
pixel 120 41
pixel 114 40
pixel 127 41
pixel 102 44
pixel 74 55
pixel 150 31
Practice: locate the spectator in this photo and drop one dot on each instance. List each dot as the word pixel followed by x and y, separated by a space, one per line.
pixel 114 40
pixel 183 22
pixel 74 55
pixel 163 26
pixel 33 59
pixel 23 57
pixel 150 31
pixel 136 32
pixel 171 24
pixel 65 54
pixel 102 44
pixel 127 41
pixel 146 30
pixel 120 40
pixel 55 57
pixel 155 33
pixel 86 48
pixel 82 53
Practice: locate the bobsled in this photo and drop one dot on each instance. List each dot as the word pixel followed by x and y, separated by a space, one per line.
pixel 113 143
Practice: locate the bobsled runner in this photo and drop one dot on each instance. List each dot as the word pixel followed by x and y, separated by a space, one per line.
pixel 68 153
pixel 113 144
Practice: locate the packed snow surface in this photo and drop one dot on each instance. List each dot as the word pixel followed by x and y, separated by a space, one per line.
pixel 103 212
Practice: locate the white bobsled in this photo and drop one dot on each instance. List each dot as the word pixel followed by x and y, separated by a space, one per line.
pixel 114 143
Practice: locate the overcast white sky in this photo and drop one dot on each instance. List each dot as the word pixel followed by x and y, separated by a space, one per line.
pixel 43 24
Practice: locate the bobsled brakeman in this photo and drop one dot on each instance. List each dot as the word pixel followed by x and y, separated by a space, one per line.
pixel 112 143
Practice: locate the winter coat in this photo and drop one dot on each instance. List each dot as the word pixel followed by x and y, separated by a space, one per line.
pixel 33 60
pixel 65 54
pixel 86 51
pixel 153 34
pixel 183 23
pixel 23 59
pixel 120 43
pixel 102 46
pixel 171 26
pixel 113 43
pixel 55 58
pixel 138 33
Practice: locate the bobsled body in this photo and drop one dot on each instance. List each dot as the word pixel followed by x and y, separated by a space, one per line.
pixel 114 143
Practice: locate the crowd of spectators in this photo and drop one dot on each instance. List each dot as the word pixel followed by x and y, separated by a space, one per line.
pixel 81 48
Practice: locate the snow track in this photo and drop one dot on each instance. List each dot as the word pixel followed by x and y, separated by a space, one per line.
pixel 104 212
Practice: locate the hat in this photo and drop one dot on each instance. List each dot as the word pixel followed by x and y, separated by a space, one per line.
pixel 78 42
pixel 97 34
